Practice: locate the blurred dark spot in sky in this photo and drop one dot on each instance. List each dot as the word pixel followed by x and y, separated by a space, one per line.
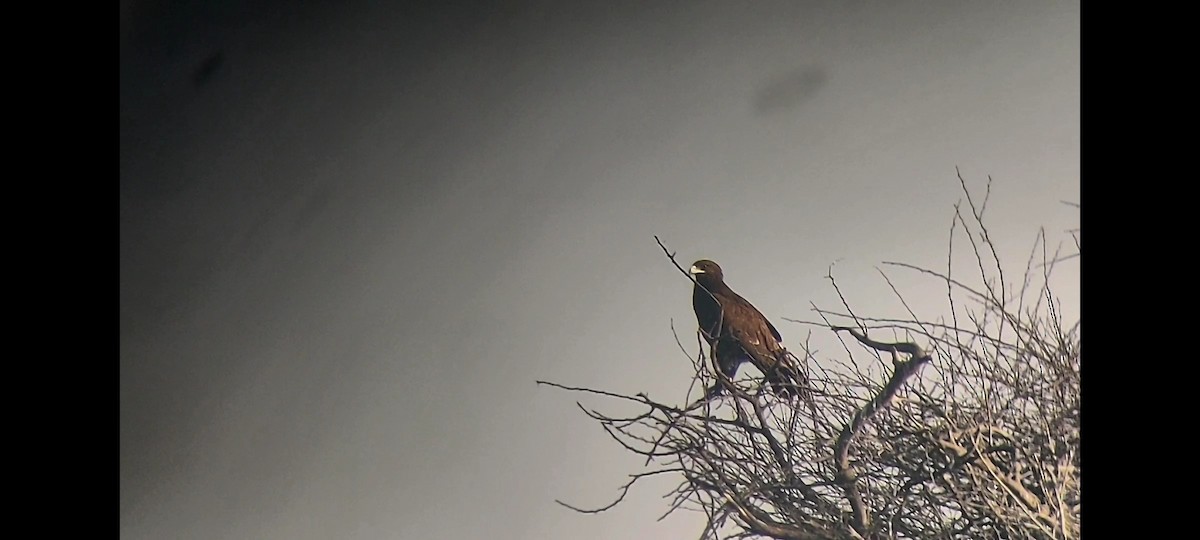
pixel 790 90
pixel 314 204
pixel 207 68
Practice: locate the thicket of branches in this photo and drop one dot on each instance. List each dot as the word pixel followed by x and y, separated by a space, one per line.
pixel 967 427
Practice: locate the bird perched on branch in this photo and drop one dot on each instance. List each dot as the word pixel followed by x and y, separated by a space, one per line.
pixel 737 332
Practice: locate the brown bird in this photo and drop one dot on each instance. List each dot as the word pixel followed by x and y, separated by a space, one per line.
pixel 737 332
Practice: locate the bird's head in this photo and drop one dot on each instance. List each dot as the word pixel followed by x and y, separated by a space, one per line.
pixel 707 273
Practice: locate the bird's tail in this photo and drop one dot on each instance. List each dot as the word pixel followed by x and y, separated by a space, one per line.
pixel 786 381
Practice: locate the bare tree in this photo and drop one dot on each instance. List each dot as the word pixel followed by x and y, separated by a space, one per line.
pixel 967 427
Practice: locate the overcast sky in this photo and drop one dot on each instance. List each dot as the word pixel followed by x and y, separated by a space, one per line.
pixel 354 234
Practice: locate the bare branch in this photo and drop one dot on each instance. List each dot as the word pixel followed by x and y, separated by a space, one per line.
pixel 984 446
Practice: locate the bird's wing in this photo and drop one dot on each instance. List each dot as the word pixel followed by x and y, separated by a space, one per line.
pixel 774 332
pixel 753 332
pixel 748 312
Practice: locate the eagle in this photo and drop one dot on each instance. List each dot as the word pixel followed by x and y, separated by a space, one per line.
pixel 737 332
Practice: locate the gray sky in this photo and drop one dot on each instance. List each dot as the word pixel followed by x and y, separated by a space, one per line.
pixel 351 243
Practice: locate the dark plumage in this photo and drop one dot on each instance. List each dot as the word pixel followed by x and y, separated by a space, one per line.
pixel 738 332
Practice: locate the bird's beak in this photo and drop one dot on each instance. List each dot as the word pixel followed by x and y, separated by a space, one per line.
pixel 696 270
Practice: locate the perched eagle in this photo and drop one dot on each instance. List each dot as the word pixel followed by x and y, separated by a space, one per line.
pixel 737 332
